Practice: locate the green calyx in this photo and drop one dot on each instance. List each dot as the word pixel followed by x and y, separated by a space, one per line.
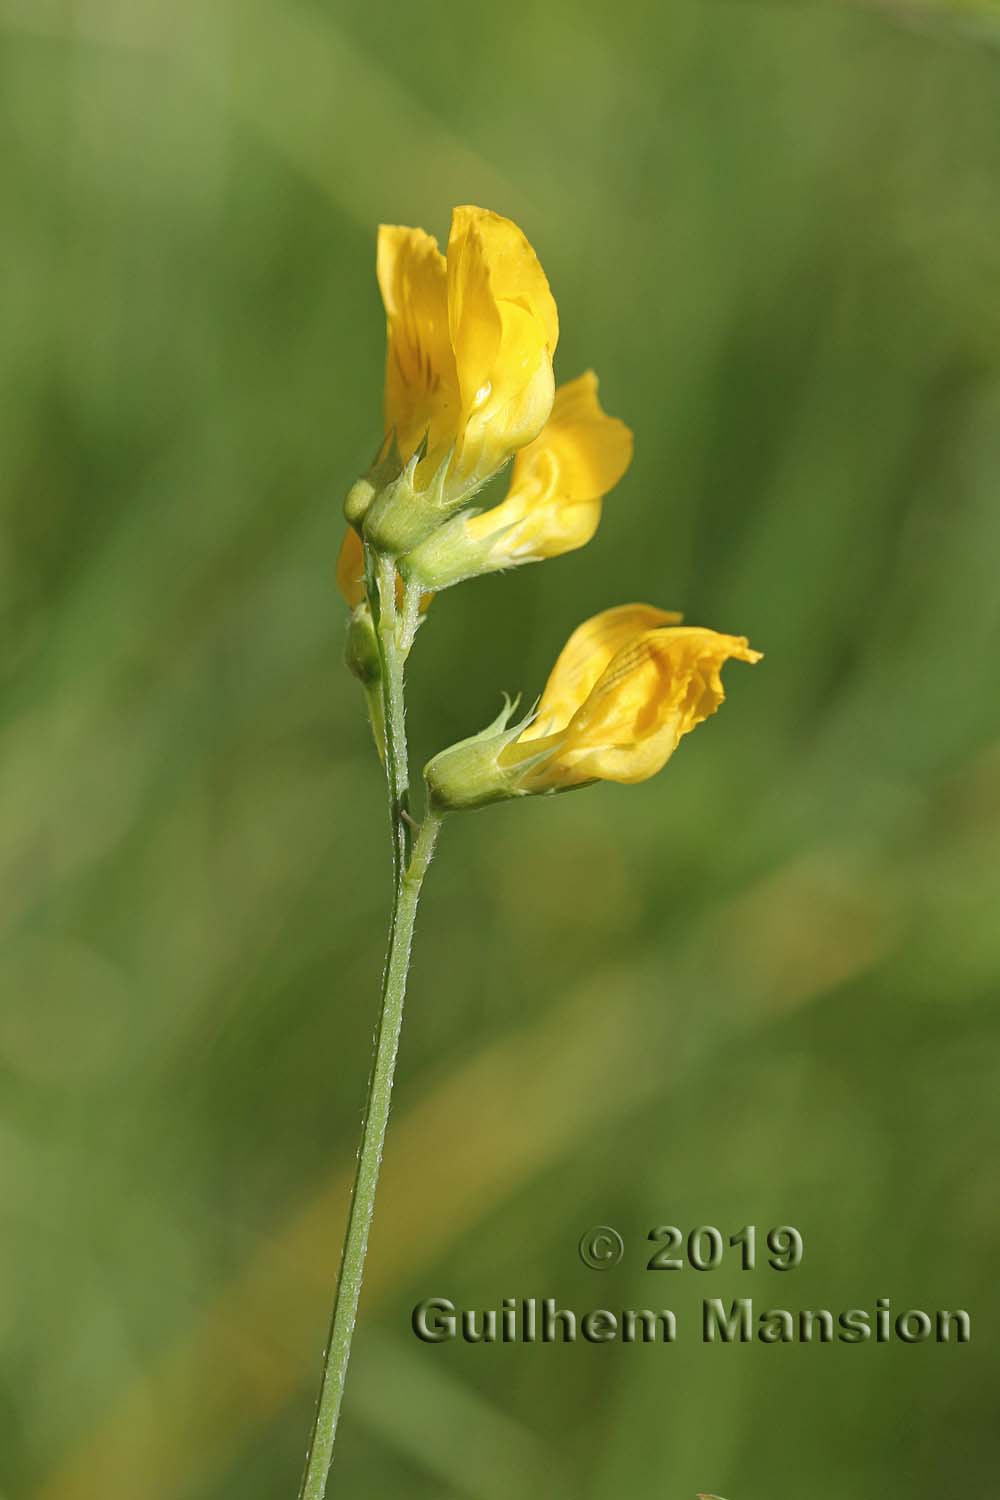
pixel 469 774
pixel 401 514
pixel 400 518
pixel 449 555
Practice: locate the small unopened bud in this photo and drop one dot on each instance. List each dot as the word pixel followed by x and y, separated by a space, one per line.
pixel 386 465
pixel 361 655
pixel 359 499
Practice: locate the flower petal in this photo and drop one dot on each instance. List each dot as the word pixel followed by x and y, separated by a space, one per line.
pixel 654 691
pixel 420 382
pixel 591 449
pixel 504 329
pixel 584 658
pixel 351 568
pixel 559 480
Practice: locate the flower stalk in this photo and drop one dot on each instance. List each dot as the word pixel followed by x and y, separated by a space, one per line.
pixel 412 848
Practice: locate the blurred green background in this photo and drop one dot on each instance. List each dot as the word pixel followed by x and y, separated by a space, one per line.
pixel 758 989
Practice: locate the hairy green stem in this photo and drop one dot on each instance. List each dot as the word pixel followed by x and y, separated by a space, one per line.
pixel 393 651
pixel 411 858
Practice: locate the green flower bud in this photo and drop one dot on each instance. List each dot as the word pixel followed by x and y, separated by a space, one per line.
pixel 358 502
pixel 361 655
pixel 363 492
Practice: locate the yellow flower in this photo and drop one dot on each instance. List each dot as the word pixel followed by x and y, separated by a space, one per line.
pixel 621 696
pixel 628 685
pixel 468 375
pixel 554 502
pixel 470 343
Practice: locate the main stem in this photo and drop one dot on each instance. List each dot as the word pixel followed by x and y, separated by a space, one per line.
pixel 393 650
pixel 410 861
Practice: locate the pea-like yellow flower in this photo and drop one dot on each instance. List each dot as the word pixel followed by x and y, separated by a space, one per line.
pixel 621 697
pixel 554 501
pixel 628 685
pixel 468 380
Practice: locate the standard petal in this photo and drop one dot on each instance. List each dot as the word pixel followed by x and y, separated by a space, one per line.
pixel 584 658
pixel 504 329
pixel 420 385
pixel 490 262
